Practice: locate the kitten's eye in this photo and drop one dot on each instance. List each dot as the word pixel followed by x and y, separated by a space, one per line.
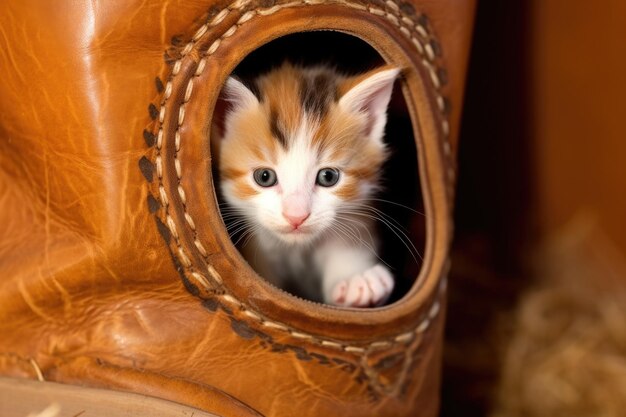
pixel 327 177
pixel 265 177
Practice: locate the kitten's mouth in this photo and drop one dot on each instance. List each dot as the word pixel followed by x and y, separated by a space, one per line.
pixel 292 234
pixel 303 230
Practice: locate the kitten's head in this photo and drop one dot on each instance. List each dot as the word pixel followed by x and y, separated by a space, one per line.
pixel 303 148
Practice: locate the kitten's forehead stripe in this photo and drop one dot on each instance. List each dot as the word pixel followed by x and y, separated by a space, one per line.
pixel 318 91
pixel 276 129
pixel 282 107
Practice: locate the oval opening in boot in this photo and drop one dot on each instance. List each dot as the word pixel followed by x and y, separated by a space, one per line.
pixel 251 196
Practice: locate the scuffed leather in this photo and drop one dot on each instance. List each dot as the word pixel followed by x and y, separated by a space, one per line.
pixel 94 289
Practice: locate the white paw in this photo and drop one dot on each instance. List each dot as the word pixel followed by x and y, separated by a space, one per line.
pixel 371 287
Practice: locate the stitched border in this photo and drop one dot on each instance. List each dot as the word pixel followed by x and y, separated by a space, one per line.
pixel 427 47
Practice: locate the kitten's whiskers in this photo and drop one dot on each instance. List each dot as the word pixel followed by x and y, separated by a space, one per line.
pixel 390 223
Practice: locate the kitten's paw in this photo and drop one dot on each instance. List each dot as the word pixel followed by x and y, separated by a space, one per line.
pixel 370 288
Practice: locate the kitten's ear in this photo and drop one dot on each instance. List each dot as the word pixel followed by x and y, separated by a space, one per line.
pixel 238 95
pixel 370 94
pixel 234 96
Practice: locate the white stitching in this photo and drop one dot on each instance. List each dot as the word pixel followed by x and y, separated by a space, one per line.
pixel 274 325
pixel 183 198
pixel 191 223
pixel 230 298
pixel 328 343
pixel 160 138
pixel 201 66
pixel 238 4
pixel 161 115
pixel 354 349
pixel 200 32
pixel 214 274
pixel 271 10
pixel 188 90
pixel 392 5
pixel 423 326
pixel 245 17
pixel 434 310
pixel 172 226
pixel 441 104
pixel 220 16
pixel 230 31
pixel 176 68
pixel 213 47
pixel 159 167
pixel 418 45
pixel 357 6
pixel 404 337
pixel 183 257
pixel 163 196
pixel 177 140
pixel 187 49
pixel 300 335
pixel 428 50
pixel 200 246
pixel 252 315
pixel 381 345
pixel 422 31
pixel 178 169
pixel 181 114
pixel 202 280
pixel 393 19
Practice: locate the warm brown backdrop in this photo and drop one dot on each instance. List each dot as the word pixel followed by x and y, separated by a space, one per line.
pixel 577 70
pixel 542 150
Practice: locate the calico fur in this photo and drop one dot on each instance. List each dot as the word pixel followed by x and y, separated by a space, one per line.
pixel 301 233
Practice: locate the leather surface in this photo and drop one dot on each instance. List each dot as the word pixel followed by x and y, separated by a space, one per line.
pixel 22 397
pixel 115 268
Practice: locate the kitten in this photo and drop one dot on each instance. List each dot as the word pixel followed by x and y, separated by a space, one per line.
pixel 300 157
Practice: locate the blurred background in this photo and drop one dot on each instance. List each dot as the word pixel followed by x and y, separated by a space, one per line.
pixel 537 305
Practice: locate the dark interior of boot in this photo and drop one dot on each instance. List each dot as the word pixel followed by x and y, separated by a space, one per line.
pixel 402 226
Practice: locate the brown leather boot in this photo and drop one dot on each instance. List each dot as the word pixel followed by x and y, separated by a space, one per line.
pixel 124 278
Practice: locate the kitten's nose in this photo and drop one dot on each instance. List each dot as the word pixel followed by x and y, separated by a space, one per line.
pixel 296 219
pixel 296 209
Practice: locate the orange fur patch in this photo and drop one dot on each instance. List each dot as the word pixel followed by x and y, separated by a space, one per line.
pixel 232 173
pixel 281 102
pixel 349 189
pixel 243 190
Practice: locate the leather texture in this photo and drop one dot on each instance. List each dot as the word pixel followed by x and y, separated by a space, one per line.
pixel 115 268
pixel 23 397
